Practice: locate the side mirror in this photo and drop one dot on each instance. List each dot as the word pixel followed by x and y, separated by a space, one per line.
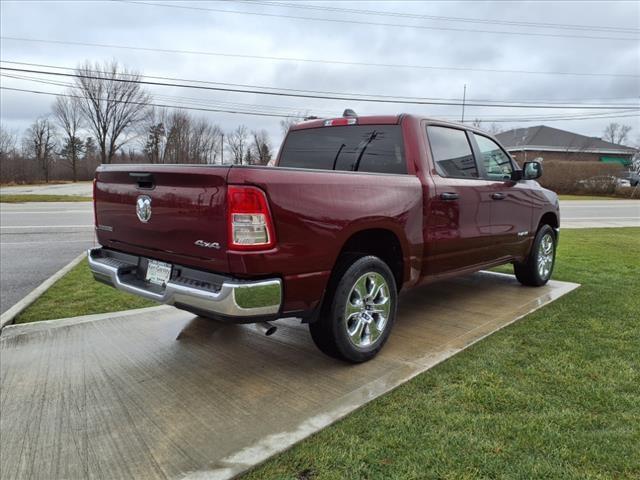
pixel 531 170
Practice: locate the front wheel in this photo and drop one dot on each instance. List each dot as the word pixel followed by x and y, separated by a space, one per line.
pixel 359 311
pixel 536 270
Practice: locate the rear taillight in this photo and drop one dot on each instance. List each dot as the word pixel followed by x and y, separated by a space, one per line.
pixel 95 214
pixel 250 223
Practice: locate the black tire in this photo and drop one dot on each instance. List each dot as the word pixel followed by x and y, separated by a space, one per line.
pixel 528 273
pixel 330 331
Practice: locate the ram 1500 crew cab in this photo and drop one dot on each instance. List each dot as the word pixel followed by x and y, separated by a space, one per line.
pixel 353 210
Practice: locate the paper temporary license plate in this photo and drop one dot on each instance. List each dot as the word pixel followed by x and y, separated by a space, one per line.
pixel 158 273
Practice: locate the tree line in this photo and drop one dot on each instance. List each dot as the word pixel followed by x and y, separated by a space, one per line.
pixel 107 117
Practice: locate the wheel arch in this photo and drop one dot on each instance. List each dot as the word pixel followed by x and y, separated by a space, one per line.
pixel 549 218
pixel 383 243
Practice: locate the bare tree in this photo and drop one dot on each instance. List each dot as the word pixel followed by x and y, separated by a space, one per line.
pixel 40 143
pixel 287 122
pixel 261 148
pixel 178 128
pixel 616 133
pixel 111 102
pixel 154 140
pixel 191 140
pixel 204 141
pixel 69 117
pixel 477 123
pixel 237 141
pixel 495 129
pixel 90 157
pixel 7 142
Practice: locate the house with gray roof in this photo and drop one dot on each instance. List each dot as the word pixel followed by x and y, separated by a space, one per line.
pixel 555 144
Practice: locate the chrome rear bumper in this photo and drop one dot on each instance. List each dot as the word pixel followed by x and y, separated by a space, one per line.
pixel 201 292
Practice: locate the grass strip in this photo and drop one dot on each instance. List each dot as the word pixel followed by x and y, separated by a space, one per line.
pixel 77 293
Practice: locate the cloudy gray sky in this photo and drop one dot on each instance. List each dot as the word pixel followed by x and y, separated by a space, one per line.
pixel 608 61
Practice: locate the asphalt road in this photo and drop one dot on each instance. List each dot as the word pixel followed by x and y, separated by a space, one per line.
pixel 83 189
pixel 36 240
pixel 599 213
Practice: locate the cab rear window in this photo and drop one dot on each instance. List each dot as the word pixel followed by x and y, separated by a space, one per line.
pixel 362 148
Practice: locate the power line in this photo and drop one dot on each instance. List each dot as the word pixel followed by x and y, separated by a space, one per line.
pixel 187 100
pixel 596 116
pixel 258 107
pixel 350 94
pixel 322 61
pixel 159 105
pixel 377 24
pixel 323 97
pixel 385 13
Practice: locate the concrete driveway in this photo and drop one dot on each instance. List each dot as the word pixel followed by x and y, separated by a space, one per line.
pixel 36 240
pixel 159 393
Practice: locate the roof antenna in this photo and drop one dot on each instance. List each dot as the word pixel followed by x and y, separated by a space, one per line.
pixel 349 113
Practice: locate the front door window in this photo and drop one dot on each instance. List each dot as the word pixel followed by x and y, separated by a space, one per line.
pixel 497 164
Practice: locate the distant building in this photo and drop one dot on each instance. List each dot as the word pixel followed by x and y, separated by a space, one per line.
pixel 555 144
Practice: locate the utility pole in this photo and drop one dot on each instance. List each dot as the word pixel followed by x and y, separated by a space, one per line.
pixel 464 97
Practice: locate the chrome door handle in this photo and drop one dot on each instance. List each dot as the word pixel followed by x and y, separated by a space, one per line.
pixel 498 196
pixel 449 196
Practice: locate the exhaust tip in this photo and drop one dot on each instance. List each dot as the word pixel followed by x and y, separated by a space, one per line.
pixel 266 328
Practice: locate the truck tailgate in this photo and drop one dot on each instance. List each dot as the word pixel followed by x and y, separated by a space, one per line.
pixel 187 220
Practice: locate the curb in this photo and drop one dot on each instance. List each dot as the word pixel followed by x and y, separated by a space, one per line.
pixel 8 316
pixel 33 327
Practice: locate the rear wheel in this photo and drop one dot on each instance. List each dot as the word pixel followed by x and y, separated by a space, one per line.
pixel 359 311
pixel 537 269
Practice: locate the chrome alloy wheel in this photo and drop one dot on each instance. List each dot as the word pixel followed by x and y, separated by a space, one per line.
pixel 545 256
pixel 367 310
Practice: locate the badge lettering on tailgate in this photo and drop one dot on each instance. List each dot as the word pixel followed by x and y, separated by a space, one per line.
pixel 202 243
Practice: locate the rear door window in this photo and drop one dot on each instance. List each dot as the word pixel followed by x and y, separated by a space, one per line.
pixel 451 152
pixel 362 148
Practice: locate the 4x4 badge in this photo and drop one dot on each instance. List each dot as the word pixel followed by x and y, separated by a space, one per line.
pixel 202 243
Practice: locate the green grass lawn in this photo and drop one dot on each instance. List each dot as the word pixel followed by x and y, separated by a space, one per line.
pixel 77 293
pixel 555 395
pixel 22 198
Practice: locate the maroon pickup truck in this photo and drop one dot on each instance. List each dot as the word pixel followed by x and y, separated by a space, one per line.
pixel 353 210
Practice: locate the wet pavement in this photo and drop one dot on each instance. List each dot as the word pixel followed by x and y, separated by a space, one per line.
pixel 159 393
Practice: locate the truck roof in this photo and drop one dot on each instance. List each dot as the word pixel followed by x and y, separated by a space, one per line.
pixel 379 120
pixel 361 120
